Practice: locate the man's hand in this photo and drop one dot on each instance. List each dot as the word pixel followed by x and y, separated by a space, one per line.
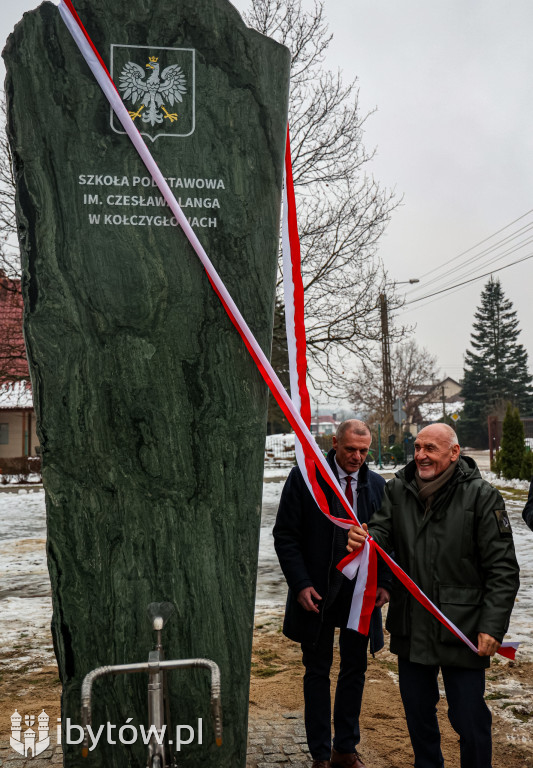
pixel 356 537
pixel 382 596
pixel 486 644
pixel 307 597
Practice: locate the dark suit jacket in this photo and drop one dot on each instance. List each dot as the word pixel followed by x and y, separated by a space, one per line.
pixel 305 544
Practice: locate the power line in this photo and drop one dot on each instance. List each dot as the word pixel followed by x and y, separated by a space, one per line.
pixel 466 273
pixel 472 279
pixel 427 302
pixel 463 253
pixel 477 257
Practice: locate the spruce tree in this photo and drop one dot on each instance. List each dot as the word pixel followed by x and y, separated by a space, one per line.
pixel 496 369
pixel 512 451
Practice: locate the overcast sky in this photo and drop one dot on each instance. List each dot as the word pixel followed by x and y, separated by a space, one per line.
pixel 453 85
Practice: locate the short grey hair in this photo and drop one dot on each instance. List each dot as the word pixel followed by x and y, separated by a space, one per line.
pixel 352 425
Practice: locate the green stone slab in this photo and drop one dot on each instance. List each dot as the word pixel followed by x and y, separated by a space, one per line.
pixel 151 414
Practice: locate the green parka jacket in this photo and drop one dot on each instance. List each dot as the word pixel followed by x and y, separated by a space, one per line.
pixel 460 553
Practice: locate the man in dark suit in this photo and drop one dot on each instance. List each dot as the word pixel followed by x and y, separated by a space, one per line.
pixel 527 514
pixel 309 547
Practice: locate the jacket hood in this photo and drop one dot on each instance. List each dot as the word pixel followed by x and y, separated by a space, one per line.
pixel 467 469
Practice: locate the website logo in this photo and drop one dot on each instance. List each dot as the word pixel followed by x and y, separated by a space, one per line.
pixel 29 743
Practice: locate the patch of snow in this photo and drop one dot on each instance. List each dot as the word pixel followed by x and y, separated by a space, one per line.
pixel 276 473
pixel 16 394
pixel 433 411
pixel 501 482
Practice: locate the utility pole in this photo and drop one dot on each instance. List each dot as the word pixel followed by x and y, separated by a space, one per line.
pixel 385 354
pixel 385 359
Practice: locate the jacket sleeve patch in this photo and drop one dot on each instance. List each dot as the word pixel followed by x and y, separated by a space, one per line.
pixel 504 524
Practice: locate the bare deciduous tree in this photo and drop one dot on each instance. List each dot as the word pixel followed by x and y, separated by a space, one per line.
pixel 342 211
pixel 13 365
pixel 411 368
pixel 9 253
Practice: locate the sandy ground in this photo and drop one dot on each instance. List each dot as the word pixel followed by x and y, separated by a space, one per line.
pixel 29 690
pixel 276 687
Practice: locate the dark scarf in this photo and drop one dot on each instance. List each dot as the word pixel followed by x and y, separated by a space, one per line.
pixel 428 488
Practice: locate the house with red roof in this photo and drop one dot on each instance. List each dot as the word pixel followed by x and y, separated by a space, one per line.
pixel 17 419
pixel 324 425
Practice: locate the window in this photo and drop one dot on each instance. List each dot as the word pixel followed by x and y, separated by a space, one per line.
pixel 4 434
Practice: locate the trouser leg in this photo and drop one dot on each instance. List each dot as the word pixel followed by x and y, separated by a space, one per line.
pixel 349 691
pixel 420 694
pixel 317 703
pixel 469 715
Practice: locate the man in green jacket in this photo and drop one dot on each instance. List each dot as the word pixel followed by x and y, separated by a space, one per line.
pixel 449 531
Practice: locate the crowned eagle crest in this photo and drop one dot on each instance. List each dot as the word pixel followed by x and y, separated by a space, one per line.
pixel 154 90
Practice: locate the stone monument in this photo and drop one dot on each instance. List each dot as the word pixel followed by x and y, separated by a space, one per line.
pixel 151 414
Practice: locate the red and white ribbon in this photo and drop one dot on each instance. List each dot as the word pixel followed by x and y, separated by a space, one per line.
pixel 311 452
pixel 361 609
pixel 363 563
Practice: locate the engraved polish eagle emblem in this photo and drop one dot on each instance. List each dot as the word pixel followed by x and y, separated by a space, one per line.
pixel 154 91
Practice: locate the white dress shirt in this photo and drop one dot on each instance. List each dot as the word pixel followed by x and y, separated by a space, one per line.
pixel 342 478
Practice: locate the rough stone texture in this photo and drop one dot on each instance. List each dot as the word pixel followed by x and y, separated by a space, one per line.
pixel 150 413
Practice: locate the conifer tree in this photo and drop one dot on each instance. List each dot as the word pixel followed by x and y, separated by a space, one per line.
pixel 496 369
pixel 511 454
